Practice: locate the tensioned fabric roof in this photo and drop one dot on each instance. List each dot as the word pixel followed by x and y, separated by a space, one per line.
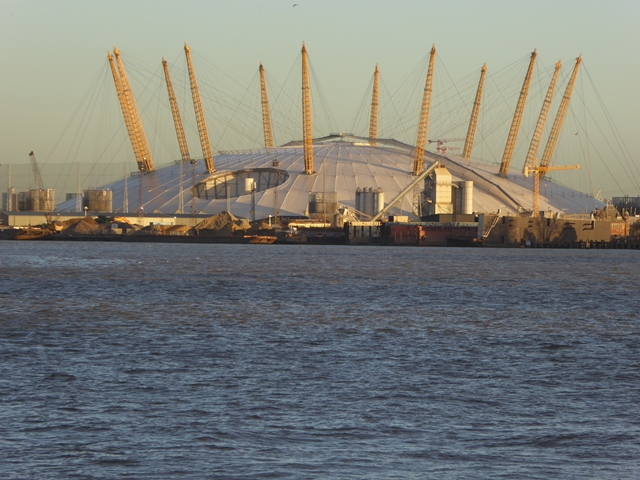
pixel 342 164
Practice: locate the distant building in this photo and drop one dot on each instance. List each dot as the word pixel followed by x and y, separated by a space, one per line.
pixel 631 205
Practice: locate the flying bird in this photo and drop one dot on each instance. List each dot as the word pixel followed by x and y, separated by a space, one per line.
pixel 295 4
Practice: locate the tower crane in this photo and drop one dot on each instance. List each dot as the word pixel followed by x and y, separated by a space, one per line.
pixel 540 172
pixel 441 149
pixel 39 186
pixel 36 171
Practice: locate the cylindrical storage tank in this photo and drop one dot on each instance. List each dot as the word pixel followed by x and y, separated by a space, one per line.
pixel 366 201
pixel 369 200
pixel 359 202
pixel 47 200
pixel 467 198
pixel 323 203
pixel 37 200
pixel 12 200
pixel 22 202
pixel 98 200
pixel 378 201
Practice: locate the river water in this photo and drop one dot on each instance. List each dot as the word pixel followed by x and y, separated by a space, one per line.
pixel 269 361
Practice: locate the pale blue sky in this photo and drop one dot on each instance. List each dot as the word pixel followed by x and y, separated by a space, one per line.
pixel 52 51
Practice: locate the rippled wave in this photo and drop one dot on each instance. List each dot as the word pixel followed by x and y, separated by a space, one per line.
pixel 254 361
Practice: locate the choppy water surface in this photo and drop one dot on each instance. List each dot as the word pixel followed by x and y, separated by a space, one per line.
pixel 232 361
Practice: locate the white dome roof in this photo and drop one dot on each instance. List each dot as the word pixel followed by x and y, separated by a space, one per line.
pixel 343 163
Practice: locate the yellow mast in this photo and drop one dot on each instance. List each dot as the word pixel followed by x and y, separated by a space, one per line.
pixel 197 105
pixel 562 111
pixel 541 171
pixel 517 118
pixel 473 122
pixel 124 106
pixel 143 154
pixel 531 161
pixel 306 115
pixel 421 141
pixel 182 141
pixel 266 114
pixel 373 123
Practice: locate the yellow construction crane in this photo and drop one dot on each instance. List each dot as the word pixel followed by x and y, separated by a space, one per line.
pixel 130 113
pixel 423 126
pixel 197 105
pixel 544 167
pixel 538 173
pixel 307 132
pixel 517 118
pixel 473 122
pixel 373 122
pixel 266 114
pixel 182 141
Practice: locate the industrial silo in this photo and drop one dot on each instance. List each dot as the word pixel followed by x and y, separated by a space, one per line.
pixel 98 200
pixel 38 200
pixel 323 204
pixel 369 200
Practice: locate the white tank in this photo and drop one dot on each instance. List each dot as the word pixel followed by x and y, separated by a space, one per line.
pixel 379 204
pixel 369 200
pixel 467 198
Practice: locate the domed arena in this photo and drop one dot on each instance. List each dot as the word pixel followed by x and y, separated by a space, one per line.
pixel 359 177
pixel 343 164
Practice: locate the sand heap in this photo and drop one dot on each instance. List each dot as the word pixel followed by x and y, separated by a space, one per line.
pixel 222 224
pixel 82 226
